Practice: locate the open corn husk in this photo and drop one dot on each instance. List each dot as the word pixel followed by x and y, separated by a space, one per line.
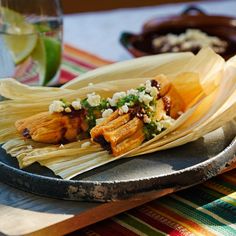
pixel 207 109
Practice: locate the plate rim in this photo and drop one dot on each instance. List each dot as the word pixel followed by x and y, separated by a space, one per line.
pixel 57 179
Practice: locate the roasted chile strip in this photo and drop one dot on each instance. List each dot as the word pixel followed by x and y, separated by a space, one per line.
pixel 101 140
pixel 63 139
pixel 167 104
pixel 136 111
pixel 26 133
pixel 156 84
pixel 74 113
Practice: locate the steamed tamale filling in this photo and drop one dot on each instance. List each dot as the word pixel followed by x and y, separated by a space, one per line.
pixel 167 104
pixel 117 138
pixel 26 133
pixel 118 124
pixel 102 141
pixel 130 143
pixel 123 132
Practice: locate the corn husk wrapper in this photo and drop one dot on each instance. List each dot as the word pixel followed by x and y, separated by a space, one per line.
pixel 27 101
pixel 208 108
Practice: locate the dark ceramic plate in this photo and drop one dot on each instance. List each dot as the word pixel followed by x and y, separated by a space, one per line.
pixel 221 26
pixel 130 178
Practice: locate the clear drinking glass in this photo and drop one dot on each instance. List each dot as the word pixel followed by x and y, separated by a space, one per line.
pixel 30 40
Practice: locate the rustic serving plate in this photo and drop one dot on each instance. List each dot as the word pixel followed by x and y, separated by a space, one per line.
pixel 176 168
pixel 223 27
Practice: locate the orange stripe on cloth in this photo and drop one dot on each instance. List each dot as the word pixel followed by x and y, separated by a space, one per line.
pixel 229 178
pixel 219 188
pixel 87 57
pixel 107 228
pixel 183 222
pixel 153 219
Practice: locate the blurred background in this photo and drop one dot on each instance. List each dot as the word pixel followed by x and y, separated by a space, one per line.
pixel 72 6
pixel 96 26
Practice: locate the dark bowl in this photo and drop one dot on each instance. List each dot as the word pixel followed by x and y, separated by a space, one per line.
pixel 192 18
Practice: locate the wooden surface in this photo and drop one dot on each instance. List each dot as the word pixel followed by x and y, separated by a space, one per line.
pixel 26 214
pixel 73 6
pixel 23 213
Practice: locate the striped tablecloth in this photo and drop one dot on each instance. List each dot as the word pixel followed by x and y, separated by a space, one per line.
pixel 206 209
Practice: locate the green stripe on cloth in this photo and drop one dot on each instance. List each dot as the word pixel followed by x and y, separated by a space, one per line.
pixel 211 201
pixel 225 185
pixel 70 66
pixel 228 201
pixel 188 211
pixel 136 225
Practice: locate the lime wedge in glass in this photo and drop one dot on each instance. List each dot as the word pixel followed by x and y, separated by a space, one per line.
pixel 25 40
pixel 20 46
pixel 20 36
pixel 53 58
pixel 47 53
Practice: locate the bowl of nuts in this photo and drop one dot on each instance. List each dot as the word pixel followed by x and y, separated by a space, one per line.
pixel 190 31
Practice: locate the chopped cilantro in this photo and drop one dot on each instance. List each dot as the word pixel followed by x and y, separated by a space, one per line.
pixel 130 99
pixel 141 89
pixel 150 130
pixel 66 104
pixel 103 104
pixel 85 103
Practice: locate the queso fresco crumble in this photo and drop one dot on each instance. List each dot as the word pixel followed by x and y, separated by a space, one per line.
pixel 139 102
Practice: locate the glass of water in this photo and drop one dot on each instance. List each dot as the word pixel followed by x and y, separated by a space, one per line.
pixel 30 40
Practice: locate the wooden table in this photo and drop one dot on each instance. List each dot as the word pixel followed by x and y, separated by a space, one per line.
pixel 23 213
pixel 26 214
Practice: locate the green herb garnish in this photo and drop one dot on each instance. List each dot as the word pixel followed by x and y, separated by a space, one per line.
pixel 130 99
pixel 104 104
pixel 150 130
pixel 141 89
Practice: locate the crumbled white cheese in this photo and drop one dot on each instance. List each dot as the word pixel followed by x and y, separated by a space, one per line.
pixel 124 109
pixel 90 84
pixel 86 144
pixel 107 113
pixel 99 121
pixel 56 106
pixel 145 98
pixel 146 119
pixel 111 102
pixel 152 108
pixel 93 99
pixel 29 147
pixel 148 86
pixel 159 126
pixel 133 92
pixel 167 121
pixel 67 110
pixel 76 104
pixel 154 92
pixel 116 97
pixel 192 38
pixel 61 146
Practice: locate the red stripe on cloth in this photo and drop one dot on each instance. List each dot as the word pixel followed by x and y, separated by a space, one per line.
pixel 66 76
pixel 141 213
pixel 229 177
pixel 176 218
pixel 78 62
pixel 86 55
pixel 109 228
pixel 31 80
